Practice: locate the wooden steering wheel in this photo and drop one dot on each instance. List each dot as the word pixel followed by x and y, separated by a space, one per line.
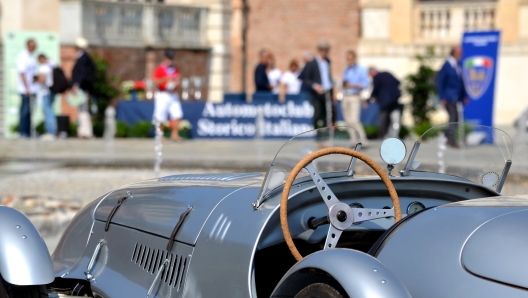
pixel 340 215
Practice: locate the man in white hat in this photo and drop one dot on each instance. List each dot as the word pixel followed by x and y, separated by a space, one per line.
pixel 83 77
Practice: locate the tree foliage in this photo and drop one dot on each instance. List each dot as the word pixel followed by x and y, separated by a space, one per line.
pixel 104 86
pixel 420 86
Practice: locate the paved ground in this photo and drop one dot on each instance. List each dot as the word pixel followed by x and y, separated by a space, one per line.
pixel 245 155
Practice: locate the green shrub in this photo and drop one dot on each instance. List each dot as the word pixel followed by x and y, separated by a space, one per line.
pixel 122 130
pixel 104 86
pixel 40 129
pixel 73 130
pixel 404 132
pixel 420 129
pixel 98 129
pixel 341 133
pixel 421 87
pixel 185 133
pixel 371 131
pixel 141 129
pixel 14 128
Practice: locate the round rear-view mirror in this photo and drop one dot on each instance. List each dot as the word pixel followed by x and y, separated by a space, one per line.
pixel 393 151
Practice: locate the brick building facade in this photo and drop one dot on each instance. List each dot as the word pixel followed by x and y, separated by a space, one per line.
pixel 128 63
pixel 289 27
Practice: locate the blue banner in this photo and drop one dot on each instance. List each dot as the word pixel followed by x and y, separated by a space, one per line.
pixel 265 117
pixel 479 66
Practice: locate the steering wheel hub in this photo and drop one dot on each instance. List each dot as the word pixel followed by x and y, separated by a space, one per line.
pixel 341 215
pixel 338 212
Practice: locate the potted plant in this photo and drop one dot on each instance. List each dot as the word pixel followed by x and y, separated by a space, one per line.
pixel 420 86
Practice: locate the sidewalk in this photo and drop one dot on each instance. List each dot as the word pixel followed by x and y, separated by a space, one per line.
pixel 233 155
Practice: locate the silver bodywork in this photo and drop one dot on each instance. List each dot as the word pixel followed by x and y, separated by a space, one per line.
pixel 214 251
pixel 220 235
pixel 24 257
pixel 472 249
pixel 360 274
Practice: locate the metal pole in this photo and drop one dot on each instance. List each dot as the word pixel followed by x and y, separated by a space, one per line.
pixel 158 147
pixel 328 99
pixel 245 25
pixel 461 132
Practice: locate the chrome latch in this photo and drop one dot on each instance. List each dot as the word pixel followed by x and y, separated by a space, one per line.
pixel 158 275
pixel 88 272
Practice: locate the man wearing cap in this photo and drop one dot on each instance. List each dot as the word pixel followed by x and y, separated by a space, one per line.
pixel 83 78
pixel 27 70
pixel 166 77
pixel 316 78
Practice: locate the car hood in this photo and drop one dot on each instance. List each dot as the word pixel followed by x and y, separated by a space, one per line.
pixel 497 249
pixel 155 206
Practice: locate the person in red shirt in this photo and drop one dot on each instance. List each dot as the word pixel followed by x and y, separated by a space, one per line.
pixel 166 78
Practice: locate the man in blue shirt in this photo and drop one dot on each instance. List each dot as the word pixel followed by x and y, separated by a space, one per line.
pixel 451 90
pixel 355 79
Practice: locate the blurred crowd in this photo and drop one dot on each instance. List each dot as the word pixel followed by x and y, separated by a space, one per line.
pixel 42 79
pixel 313 77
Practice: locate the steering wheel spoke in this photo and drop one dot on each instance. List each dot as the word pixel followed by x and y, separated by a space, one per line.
pixel 332 237
pixel 328 195
pixel 364 214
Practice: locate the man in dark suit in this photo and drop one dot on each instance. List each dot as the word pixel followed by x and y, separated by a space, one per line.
pixel 386 92
pixel 261 77
pixel 83 78
pixel 451 89
pixel 316 78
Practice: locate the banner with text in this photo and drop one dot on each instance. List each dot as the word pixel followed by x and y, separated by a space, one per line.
pixel 479 66
pixel 266 118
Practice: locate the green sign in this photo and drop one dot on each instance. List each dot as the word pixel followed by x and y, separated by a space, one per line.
pixel 14 42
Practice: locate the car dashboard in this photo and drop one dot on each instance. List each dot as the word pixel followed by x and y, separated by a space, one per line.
pixel 414 194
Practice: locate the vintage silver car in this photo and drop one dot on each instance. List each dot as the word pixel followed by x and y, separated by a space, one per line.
pixel 430 223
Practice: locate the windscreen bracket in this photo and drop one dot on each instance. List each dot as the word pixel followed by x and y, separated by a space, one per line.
pixel 410 160
pixel 504 175
pixel 351 171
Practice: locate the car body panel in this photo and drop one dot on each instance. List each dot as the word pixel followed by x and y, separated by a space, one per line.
pixel 24 257
pixel 497 255
pixel 138 254
pixel 156 208
pixel 359 274
pixel 222 261
pixel 75 238
pixel 425 252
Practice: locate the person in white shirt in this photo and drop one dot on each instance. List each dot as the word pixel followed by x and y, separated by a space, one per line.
pixel 290 83
pixel 274 75
pixel 26 67
pixel 45 80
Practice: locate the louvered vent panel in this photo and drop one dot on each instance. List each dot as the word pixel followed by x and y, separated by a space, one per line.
pixel 210 177
pixel 150 260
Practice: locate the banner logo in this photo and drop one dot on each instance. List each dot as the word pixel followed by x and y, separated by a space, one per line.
pixel 478 72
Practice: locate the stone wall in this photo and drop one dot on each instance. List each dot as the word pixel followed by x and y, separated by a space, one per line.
pixel 289 27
